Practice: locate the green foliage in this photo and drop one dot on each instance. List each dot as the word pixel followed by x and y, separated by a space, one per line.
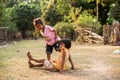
pixel 65 29
pixel 82 3
pixel 114 13
pixel 97 28
pixel 2 8
pixel 104 2
pixel 51 15
pixel 11 3
pixel 87 20
pixel 72 15
pixel 7 20
pixel 43 5
pixel 63 7
pixel 54 11
pixel 104 7
pixel 22 16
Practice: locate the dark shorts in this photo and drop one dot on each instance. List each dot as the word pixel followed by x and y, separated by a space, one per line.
pixel 49 48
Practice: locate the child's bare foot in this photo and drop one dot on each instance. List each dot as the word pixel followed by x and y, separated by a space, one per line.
pixel 29 56
pixel 30 64
pixel 73 68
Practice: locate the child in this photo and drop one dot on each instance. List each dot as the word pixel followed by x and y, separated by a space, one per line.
pixel 50 35
pixel 58 64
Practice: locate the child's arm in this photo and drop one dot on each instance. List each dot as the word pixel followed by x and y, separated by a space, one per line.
pixel 63 61
pixel 44 36
pixel 71 62
pixel 55 34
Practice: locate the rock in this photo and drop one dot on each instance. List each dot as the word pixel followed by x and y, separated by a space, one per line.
pixel 116 51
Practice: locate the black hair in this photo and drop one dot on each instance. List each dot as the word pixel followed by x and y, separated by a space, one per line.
pixel 67 42
pixel 38 21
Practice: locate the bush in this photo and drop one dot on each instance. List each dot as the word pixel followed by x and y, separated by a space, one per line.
pixel 114 13
pixel 65 30
pixel 21 16
pixel 7 20
pixel 86 19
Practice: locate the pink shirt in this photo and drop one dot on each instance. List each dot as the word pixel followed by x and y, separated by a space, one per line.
pixel 51 34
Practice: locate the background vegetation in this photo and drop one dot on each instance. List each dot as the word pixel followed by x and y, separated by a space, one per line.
pixel 19 14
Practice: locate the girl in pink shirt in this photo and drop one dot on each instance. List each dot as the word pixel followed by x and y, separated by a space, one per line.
pixel 50 35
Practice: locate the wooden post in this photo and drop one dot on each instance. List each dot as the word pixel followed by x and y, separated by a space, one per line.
pixel 106 33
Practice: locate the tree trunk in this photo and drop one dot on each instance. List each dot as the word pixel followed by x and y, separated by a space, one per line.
pixel 106 33
pixel 97 8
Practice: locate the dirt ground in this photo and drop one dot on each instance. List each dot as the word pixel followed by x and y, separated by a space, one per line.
pixel 92 62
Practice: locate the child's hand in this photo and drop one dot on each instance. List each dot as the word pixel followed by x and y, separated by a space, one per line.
pixel 58 39
pixel 47 39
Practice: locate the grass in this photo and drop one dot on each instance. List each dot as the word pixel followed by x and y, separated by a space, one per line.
pixel 13 62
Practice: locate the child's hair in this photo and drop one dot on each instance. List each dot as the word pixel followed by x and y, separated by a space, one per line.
pixel 67 42
pixel 38 21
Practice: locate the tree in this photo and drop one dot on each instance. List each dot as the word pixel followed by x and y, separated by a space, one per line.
pixel 102 9
pixel 114 12
pixel 23 15
pixel 2 8
pixel 50 13
pixel 73 14
pixel 43 5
